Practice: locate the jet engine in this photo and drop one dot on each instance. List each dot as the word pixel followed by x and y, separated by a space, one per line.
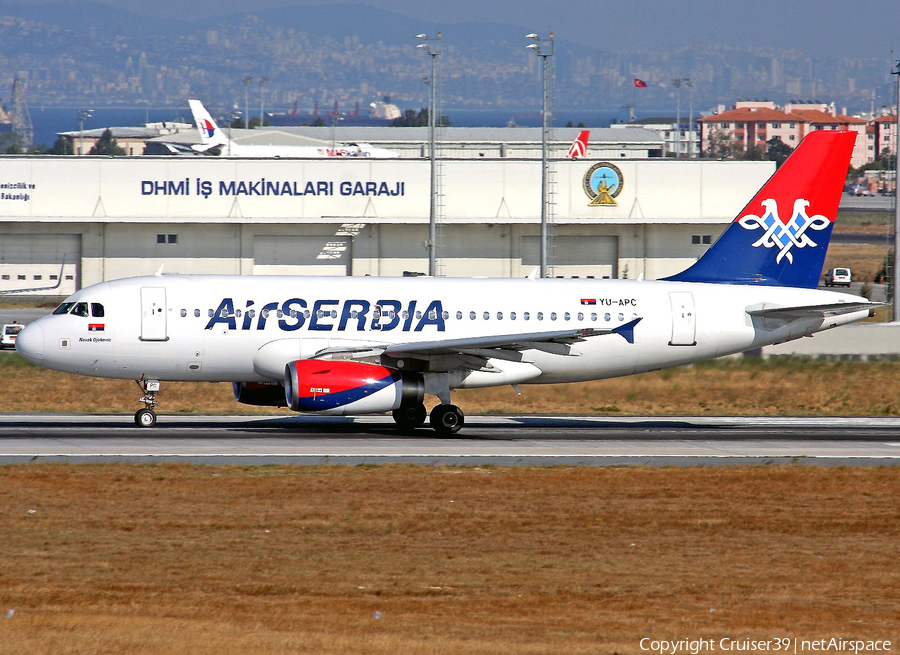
pixel 267 394
pixel 344 387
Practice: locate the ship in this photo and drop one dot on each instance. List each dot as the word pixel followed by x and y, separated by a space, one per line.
pixel 379 114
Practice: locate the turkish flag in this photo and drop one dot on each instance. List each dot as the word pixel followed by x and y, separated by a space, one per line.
pixel 641 84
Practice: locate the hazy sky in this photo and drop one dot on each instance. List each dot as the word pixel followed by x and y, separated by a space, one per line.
pixel 843 28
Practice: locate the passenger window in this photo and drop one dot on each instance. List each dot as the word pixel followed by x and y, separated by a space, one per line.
pixel 512 316
pixel 499 316
pixel 552 316
pixel 445 314
pixel 567 316
pixel 580 316
pixel 594 316
pixel 211 313
pixel 621 317
pixel 197 313
pixel 471 316
pixel 526 315
pixel 81 309
pixel 487 315
pixel 96 310
pixel 458 316
pixel 183 313
pixel 606 317
pixel 540 316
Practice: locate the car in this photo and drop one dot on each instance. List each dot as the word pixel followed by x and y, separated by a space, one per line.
pixel 8 334
pixel 838 277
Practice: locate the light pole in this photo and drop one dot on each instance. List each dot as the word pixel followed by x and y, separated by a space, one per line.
pixel 83 115
pixel 336 117
pixel 543 48
pixel 432 47
pixel 895 274
pixel 677 83
pixel 262 83
pixel 247 80
pixel 690 84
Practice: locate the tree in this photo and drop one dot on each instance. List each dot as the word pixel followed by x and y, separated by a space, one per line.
pixel 62 147
pixel 777 151
pixel 10 143
pixel 412 119
pixel 721 145
pixel 106 145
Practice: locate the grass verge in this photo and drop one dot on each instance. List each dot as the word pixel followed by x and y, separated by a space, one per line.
pixel 397 559
pixel 739 386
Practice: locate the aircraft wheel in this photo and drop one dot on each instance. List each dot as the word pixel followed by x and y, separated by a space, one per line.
pixel 447 419
pixel 410 417
pixel 145 418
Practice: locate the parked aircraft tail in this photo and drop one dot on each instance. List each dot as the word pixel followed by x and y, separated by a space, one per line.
pixel 781 236
pixel 210 134
pixel 579 145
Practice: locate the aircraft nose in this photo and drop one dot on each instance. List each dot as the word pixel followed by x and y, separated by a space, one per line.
pixel 30 343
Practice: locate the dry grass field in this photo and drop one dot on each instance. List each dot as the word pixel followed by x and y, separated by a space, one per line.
pixel 725 387
pixel 400 559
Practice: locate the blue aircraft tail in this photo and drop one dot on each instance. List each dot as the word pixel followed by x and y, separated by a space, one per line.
pixel 781 236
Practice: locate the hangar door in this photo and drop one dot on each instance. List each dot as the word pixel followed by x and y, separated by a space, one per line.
pixel 29 261
pixel 587 256
pixel 301 255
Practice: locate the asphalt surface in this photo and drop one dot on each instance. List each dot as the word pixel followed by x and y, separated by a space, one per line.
pixel 485 440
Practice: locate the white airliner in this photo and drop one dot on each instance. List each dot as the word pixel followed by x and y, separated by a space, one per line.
pixel 359 345
pixel 213 141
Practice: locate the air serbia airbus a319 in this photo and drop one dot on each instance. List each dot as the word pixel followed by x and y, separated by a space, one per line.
pixel 358 345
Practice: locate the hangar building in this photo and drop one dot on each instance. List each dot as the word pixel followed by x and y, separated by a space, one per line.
pixel 104 218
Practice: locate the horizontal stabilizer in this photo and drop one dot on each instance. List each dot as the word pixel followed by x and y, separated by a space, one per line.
pixel 812 311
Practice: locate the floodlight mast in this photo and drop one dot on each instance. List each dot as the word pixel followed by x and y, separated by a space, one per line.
pixel 432 47
pixel 543 48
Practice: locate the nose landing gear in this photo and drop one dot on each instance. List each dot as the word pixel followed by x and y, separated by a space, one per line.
pixel 146 418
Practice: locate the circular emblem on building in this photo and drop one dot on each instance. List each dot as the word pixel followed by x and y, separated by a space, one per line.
pixel 602 183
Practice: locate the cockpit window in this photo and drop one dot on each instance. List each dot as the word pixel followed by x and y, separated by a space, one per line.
pixel 64 308
pixel 96 310
pixel 81 309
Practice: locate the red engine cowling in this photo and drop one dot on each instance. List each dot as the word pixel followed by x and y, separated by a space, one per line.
pixel 342 387
pixel 267 394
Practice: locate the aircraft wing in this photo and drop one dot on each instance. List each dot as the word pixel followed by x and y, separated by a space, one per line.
pixel 814 311
pixel 473 352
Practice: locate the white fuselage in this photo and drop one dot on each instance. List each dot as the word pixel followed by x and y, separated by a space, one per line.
pixel 241 328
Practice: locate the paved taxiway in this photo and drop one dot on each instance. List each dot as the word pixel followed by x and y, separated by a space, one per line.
pixel 485 440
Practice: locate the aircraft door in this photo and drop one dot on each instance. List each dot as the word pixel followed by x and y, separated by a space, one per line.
pixel 153 314
pixel 684 325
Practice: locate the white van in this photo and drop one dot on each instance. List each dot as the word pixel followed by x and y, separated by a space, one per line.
pixel 838 277
pixel 8 334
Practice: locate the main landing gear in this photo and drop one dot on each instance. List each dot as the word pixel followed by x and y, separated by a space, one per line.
pixel 446 419
pixel 146 418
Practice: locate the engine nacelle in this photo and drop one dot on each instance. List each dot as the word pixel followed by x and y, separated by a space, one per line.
pixel 343 387
pixel 266 394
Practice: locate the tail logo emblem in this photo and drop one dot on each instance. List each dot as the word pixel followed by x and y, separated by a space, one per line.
pixel 208 128
pixel 781 235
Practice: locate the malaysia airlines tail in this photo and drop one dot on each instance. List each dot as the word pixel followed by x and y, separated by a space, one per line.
pixel 579 145
pixel 790 217
pixel 210 134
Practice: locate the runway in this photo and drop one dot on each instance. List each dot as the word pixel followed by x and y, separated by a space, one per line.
pixel 485 440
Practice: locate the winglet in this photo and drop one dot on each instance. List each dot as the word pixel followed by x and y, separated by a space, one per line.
pixel 627 330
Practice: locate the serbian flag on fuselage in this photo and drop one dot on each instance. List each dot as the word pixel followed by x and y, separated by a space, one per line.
pixel 96 327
